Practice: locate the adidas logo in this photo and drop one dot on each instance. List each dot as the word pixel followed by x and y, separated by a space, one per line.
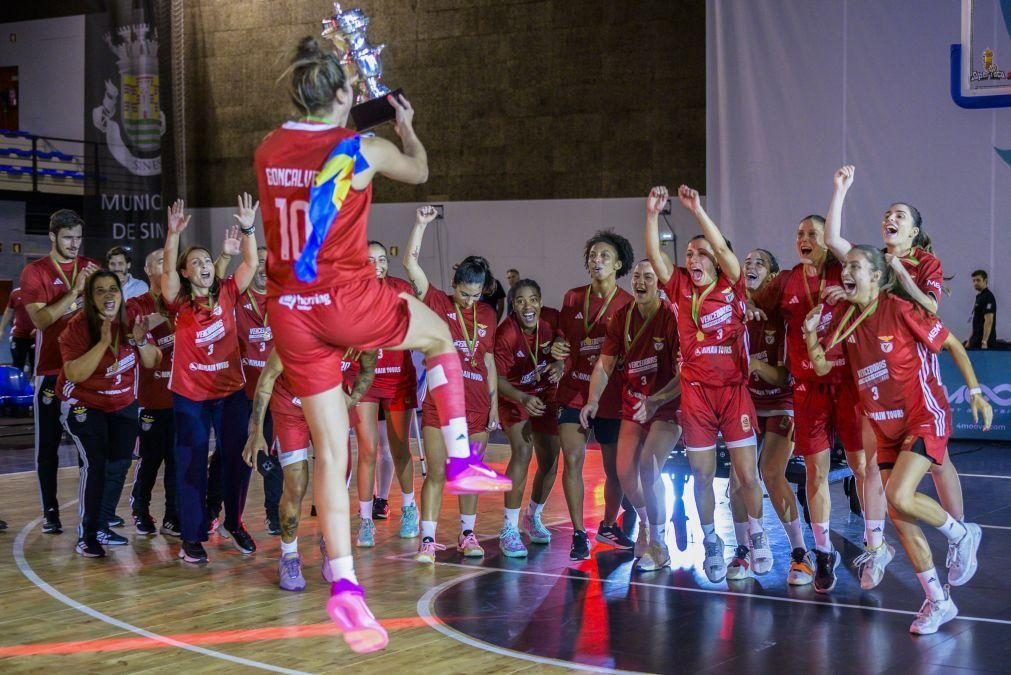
pixel 876 529
pixel 793 300
pixel 579 315
pixel 461 437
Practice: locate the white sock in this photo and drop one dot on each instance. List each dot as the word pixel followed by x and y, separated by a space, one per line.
pixel 741 534
pixel 456 437
pixel 408 500
pixel 795 532
pixel 952 530
pixel 365 510
pixel 467 521
pixel 708 531
pixel 343 568
pixel 428 529
pixel 931 584
pixel 643 515
pixel 534 509
pixel 657 533
pixel 821 540
pixel 287 548
pixel 512 517
pixel 755 526
pixel 874 533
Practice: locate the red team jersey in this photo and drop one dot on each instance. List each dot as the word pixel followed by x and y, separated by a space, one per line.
pixel 112 386
pixel 395 374
pixel 651 360
pixel 584 349
pixel 153 392
pixel 286 163
pixel 892 355
pixel 21 324
pixel 206 364
pixel 513 360
pixel 43 281
pixel 767 340
pixel 926 271
pixel 721 357
pixel 256 341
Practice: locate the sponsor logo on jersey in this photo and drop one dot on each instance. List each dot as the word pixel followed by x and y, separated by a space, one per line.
pixel 793 300
pixel 886 343
pixel 305 303
pixel 260 334
pixel 579 315
pixel 720 316
pixel 212 333
pixel 209 367
pixel 875 372
pixel 642 365
pixel 714 349
pixel 745 423
pixel 935 331
pixel 885 415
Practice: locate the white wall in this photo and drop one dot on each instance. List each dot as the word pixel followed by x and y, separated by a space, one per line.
pixel 796 88
pixel 543 239
pixel 49 54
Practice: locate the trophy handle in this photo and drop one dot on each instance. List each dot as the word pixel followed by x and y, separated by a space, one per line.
pixel 374 112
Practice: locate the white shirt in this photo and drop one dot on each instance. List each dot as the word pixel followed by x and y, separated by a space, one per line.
pixel 133 287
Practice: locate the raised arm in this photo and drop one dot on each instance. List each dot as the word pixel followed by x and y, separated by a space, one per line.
pixel 256 442
pixel 44 316
pixel 246 217
pixel 407 166
pixel 150 355
pixel 841 182
pixel 412 253
pixel 655 203
pixel 178 219
pixel 230 248
pixel 729 263
pixel 977 401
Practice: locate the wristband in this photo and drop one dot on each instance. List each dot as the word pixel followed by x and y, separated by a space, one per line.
pixel 975 391
pixel 249 232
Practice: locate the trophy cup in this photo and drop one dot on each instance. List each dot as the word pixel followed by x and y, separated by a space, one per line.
pixel 361 59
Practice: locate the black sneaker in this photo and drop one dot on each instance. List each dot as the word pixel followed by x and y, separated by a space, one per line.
pixel 52 524
pixel 580 546
pixel 241 539
pixel 193 553
pixel 273 525
pixel 613 536
pixel 170 527
pixel 144 524
pixel 3 524
pixel 116 521
pixel 824 570
pixel 380 508
pixel 90 548
pixel 110 538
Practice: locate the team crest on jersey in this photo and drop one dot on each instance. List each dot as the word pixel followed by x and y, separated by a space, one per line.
pixel 146 421
pixel 658 344
pixel 546 347
pixel 728 295
pixel 482 330
pixel 80 413
pixel 770 337
pixel 886 343
pixel 745 423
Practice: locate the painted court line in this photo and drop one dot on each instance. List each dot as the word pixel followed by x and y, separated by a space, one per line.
pixel 983 475
pixel 26 569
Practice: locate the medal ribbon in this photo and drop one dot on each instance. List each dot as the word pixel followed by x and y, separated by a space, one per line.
pixel 842 332
pixel 471 344
pixel 537 346
pixel 697 301
pixel 256 308
pixel 59 270
pixel 587 325
pixel 630 342
pixel 821 286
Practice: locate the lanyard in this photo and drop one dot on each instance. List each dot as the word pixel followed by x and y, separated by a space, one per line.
pixel 630 341
pixel 821 285
pixel 256 308
pixel 59 270
pixel 471 343
pixel 587 324
pixel 842 332
pixel 210 302
pixel 697 301
pixel 536 348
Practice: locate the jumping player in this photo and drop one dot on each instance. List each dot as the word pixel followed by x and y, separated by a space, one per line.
pixel 891 346
pixel 642 346
pixel 710 295
pixel 471 323
pixel 315 180
pixel 586 313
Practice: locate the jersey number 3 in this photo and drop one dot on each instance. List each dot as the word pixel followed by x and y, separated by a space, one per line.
pixel 295 226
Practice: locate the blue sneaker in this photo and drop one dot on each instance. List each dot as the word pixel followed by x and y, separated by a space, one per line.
pixel 511 543
pixel 535 529
pixel 410 525
pixel 367 533
pixel 289 569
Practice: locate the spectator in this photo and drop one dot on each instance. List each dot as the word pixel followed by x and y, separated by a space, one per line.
pixel 494 295
pixel 118 261
pixel 512 276
pixel 984 314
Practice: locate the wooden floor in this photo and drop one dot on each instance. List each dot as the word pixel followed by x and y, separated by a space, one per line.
pixel 141 610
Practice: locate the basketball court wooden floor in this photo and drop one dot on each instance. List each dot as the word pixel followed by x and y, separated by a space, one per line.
pixel 141 610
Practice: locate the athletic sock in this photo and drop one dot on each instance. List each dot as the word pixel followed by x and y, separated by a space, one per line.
pixel 755 526
pixel 289 548
pixel 343 568
pixel 365 510
pixel 643 515
pixel 952 530
pixel 795 533
pixel 408 500
pixel 657 532
pixel 874 533
pixel 445 386
pixel 467 521
pixel 512 517
pixel 741 534
pixel 708 531
pixel 428 529
pixel 534 509
pixel 821 539
pixel 931 584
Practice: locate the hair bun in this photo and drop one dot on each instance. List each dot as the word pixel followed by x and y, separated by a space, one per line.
pixel 309 49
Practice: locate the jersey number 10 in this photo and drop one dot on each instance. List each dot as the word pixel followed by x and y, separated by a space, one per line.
pixel 295 226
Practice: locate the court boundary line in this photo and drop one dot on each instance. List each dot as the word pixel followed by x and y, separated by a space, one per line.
pixel 26 569
pixel 983 475
pixel 425 608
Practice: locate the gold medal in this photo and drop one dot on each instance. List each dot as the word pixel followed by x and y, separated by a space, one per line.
pixel 471 343
pixel 700 336
pixel 697 301
pixel 587 341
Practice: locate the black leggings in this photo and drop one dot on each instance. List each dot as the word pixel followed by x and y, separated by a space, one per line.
pixel 157 442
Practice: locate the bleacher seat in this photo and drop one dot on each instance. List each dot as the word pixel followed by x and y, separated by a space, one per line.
pixel 16 392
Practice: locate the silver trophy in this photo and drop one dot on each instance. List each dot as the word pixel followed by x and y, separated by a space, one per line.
pixel 361 60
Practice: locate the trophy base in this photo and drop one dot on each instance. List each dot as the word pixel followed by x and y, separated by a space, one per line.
pixel 372 113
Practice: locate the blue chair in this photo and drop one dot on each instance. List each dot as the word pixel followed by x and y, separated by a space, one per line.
pixel 16 392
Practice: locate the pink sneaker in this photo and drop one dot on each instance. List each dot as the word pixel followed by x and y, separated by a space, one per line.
pixel 348 610
pixel 471 476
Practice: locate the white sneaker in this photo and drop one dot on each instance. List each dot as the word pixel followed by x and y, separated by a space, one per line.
pixel 801 568
pixel 740 567
pixel 656 558
pixel 961 562
pixel 934 613
pixel 642 541
pixel 761 553
pixel 715 565
pixel 871 564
